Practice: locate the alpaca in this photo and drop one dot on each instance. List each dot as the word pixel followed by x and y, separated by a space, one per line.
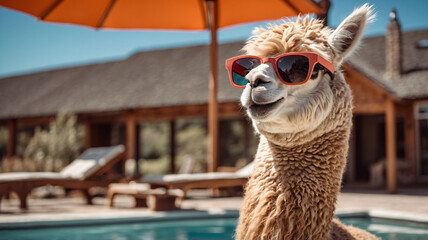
pixel 304 131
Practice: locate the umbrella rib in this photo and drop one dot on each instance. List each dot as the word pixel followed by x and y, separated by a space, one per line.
pixel 105 14
pixel 292 6
pixel 50 9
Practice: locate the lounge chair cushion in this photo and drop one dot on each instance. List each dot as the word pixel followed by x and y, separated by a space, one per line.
pixel 189 177
pixel 90 161
pixel 28 176
pixel 134 188
pixel 244 172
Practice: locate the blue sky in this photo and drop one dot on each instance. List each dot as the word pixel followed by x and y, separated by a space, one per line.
pixel 28 45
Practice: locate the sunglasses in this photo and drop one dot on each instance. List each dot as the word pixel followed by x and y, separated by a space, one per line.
pixel 291 68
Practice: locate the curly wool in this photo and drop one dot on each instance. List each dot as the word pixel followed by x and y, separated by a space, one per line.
pixel 301 157
pixel 293 190
pixel 302 35
pixel 297 176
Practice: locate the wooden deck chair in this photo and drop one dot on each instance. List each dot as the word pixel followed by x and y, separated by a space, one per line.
pixel 92 168
pixel 211 180
pixel 182 182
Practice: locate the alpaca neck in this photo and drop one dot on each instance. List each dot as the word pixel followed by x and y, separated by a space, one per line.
pixel 293 190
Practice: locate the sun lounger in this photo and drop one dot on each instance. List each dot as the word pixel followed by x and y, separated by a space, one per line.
pixel 182 182
pixel 159 199
pixel 186 182
pixel 92 168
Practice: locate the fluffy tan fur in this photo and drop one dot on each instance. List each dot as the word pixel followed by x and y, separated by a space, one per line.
pixel 303 35
pixel 297 176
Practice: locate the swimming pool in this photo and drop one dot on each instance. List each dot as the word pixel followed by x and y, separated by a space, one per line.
pixel 389 229
pixel 198 229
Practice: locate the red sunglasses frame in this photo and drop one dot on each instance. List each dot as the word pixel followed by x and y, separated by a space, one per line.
pixel 312 57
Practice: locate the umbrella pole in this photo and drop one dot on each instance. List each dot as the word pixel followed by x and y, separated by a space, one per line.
pixel 212 148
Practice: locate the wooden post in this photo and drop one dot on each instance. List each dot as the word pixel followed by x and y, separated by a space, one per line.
pixel 131 134
pixel 410 138
pixel 212 148
pixel 88 133
pixel 246 139
pixel 11 141
pixel 137 149
pixel 391 148
pixel 325 7
pixel 350 168
pixel 172 145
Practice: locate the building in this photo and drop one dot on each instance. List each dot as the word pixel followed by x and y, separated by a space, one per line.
pixel 389 80
pixel 388 77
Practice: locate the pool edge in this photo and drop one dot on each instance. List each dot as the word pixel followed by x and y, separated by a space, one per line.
pixel 118 219
pixel 195 214
pixel 385 214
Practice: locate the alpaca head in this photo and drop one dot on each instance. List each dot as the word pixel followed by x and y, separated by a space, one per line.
pixel 277 108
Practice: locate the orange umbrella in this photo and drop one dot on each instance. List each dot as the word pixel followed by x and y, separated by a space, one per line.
pixel 168 14
pixel 158 14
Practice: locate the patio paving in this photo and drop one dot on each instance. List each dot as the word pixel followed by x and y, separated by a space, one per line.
pixel 407 201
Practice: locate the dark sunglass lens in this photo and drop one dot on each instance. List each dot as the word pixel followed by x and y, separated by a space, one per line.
pixel 293 69
pixel 241 68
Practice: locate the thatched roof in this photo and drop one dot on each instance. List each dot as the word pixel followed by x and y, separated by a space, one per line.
pixel 179 76
pixel 147 79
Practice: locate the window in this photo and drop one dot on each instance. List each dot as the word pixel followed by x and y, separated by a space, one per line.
pixel 422 44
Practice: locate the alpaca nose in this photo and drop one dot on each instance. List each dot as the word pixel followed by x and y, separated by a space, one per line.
pixel 260 76
pixel 256 82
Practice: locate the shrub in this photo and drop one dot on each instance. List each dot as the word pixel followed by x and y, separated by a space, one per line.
pixel 191 140
pixel 16 164
pixel 54 148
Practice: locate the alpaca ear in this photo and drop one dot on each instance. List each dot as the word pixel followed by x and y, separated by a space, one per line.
pixel 346 37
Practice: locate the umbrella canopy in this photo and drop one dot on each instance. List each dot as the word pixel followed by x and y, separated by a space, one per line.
pixel 168 14
pixel 158 14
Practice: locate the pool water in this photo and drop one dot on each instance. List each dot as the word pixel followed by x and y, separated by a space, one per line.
pixel 391 230
pixel 168 230
pixel 202 229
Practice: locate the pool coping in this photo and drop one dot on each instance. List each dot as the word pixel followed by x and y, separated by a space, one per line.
pixel 69 220
pixel 398 216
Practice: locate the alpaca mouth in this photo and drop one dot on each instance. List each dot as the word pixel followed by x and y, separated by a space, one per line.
pixel 263 110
